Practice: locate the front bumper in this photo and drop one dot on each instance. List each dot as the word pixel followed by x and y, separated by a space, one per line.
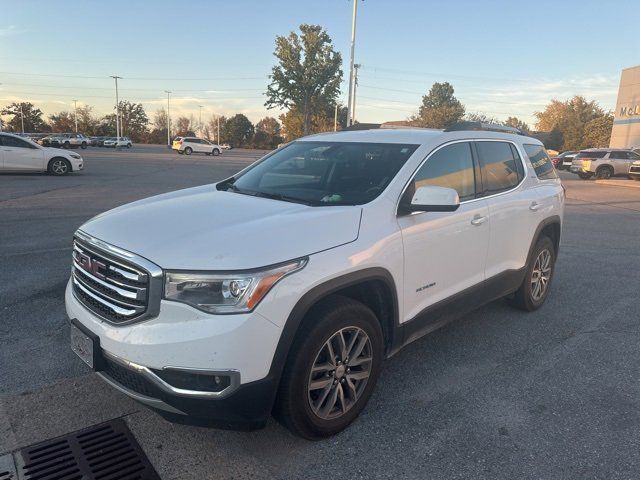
pixel 182 338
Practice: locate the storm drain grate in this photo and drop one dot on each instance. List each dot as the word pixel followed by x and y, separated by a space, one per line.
pixel 7 468
pixel 103 452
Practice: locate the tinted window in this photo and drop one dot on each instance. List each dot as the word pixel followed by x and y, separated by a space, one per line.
pixel 9 141
pixel 500 170
pixel 324 173
pixel 452 167
pixel 519 166
pixel 540 161
pixel 634 156
pixel 619 155
pixel 592 154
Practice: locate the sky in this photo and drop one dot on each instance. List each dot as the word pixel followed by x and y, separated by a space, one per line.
pixel 504 58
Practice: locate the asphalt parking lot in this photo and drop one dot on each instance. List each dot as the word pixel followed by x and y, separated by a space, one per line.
pixel 497 394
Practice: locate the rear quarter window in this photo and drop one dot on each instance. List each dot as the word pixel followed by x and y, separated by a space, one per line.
pixel 540 161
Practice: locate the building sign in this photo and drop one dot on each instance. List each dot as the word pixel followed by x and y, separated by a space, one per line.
pixel 630 111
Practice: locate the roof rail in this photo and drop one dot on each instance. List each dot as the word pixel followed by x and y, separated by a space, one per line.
pixel 488 127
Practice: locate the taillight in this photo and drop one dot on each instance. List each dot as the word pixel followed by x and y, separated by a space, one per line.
pixel 180 142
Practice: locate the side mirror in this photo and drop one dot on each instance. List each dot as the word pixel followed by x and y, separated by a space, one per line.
pixel 434 199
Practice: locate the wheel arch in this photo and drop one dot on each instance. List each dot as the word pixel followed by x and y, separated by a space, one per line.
pixel 550 227
pixel 374 287
pixel 58 157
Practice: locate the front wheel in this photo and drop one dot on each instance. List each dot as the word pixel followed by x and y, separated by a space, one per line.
pixel 535 287
pixel 84 145
pixel 332 369
pixel 604 173
pixel 59 167
pixel 215 152
pixel 66 145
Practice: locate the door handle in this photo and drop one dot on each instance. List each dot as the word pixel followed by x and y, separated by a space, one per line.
pixel 478 220
pixel 535 206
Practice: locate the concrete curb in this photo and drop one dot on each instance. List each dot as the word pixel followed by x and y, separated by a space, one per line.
pixel 619 183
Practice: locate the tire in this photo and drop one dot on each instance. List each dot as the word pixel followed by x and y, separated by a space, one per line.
pixel 180 152
pixel 66 145
pixel 525 298
pixel 128 145
pixel 323 411
pixel 188 151
pixel 84 145
pixel 584 176
pixel 605 172
pixel 58 166
pixel 215 152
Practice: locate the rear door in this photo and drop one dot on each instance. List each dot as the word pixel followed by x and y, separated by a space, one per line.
pixel 620 160
pixel 510 214
pixel 20 155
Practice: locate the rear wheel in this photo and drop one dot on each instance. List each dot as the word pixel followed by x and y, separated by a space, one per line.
pixel 215 152
pixel 59 166
pixel 188 151
pixel 604 172
pixel 535 287
pixel 84 145
pixel 66 145
pixel 332 369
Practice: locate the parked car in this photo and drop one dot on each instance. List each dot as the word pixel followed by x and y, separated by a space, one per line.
pixel 114 142
pixel 634 170
pixel 18 154
pixel 603 163
pixel 563 161
pixel 283 288
pixel 226 146
pixel 189 145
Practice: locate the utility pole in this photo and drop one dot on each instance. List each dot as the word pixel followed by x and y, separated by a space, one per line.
pixel 353 48
pixel 355 85
pixel 75 113
pixel 218 135
pixel 168 92
pixel 200 120
pixel 115 77
pixel 335 119
pixel 22 117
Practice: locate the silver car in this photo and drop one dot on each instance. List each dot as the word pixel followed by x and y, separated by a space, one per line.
pixel 603 163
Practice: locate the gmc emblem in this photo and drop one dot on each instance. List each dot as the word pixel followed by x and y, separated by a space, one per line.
pixel 90 265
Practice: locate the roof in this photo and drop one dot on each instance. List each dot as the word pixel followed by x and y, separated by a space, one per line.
pixel 413 136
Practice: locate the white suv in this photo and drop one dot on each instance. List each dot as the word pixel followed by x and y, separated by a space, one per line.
pixel 283 288
pixel 189 145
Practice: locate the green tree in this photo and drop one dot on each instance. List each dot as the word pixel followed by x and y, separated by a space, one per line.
pixel 481 117
pixel 158 131
pixel 307 75
pixel 515 122
pixel 62 122
pixel 237 130
pixel 134 120
pixel 570 119
pixel 183 127
pixel 321 121
pixel 440 108
pixel 597 132
pixel 32 116
pixel 87 123
pixel 267 133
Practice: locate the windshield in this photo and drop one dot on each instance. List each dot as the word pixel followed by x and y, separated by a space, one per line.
pixel 324 173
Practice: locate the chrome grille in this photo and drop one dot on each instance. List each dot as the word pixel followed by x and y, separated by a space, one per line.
pixel 117 290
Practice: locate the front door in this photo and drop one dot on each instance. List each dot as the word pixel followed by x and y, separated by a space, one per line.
pixel 20 155
pixel 444 252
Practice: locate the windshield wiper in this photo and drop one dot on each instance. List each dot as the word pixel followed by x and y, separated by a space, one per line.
pixel 285 198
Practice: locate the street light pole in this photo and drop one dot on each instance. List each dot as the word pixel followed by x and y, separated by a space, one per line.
pixel 218 135
pixel 75 113
pixel 355 87
pixel 200 120
pixel 168 92
pixel 353 48
pixel 115 77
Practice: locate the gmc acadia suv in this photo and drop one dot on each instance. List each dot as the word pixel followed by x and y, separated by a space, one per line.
pixel 283 288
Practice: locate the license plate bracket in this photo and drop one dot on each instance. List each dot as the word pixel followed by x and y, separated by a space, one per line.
pixel 85 344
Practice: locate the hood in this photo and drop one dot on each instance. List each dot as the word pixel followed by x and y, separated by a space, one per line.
pixel 202 228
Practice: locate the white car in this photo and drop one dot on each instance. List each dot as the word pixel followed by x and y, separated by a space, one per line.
pixel 283 288
pixel 189 145
pixel 118 142
pixel 23 155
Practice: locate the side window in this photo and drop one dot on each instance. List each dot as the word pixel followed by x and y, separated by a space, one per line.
pixel 619 155
pixel 501 171
pixel 634 156
pixel 452 167
pixel 519 166
pixel 540 161
pixel 8 141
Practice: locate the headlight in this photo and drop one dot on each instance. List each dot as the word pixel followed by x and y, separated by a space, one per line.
pixel 75 155
pixel 227 292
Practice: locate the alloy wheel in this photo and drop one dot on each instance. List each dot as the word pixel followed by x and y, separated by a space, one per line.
pixel 59 167
pixel 541 275
pixel 340 373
